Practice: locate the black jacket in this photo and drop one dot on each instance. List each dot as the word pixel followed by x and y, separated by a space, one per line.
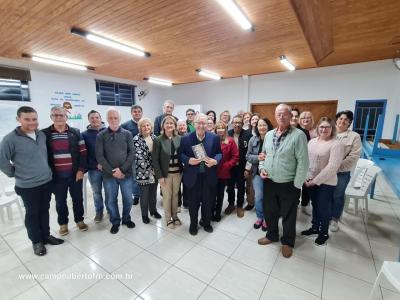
pixel 244 138
pixel 74 136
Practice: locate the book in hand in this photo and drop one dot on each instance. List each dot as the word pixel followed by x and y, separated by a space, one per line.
pixel 199 151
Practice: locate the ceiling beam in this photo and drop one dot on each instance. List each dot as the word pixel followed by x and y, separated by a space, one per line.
pixel 315 20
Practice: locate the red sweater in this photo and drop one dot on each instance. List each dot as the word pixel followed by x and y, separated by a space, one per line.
pixel 230 157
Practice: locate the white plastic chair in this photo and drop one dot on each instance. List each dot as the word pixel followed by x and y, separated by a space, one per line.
pixel 391 270
pixel 360 186
pixel 6 202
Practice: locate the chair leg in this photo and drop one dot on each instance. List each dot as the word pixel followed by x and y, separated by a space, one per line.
pixel 9 212
pixel 2 215
pixel 20 209
pixel 366 209
pixel 346 203
pixel 376 285
pixel 355 206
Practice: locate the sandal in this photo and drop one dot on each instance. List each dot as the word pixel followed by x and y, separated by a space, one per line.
pixel 177 221
pixel 171 224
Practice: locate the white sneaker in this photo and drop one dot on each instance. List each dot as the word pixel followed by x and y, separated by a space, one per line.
pixel 306 210
pixel 334 226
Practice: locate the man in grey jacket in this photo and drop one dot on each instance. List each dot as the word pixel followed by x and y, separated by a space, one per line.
pixel 23 155
pixel 115 154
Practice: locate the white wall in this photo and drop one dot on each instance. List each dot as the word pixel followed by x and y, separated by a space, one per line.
pixel 47 80
pixel 346 83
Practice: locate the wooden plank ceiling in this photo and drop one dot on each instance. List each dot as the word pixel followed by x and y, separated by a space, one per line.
pixel 184 35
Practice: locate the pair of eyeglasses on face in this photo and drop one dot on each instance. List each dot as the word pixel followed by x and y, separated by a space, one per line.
pixel 324 127
pixel 58 116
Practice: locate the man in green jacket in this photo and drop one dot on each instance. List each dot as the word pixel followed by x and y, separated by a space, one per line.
pixel 284 171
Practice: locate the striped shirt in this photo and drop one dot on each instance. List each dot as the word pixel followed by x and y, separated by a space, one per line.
pixel 62 152
pixel 174 165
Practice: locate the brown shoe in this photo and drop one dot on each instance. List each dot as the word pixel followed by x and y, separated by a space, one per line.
pixel 287 251
pixel 82 226
pixel 63 229
pixel 229 209
pixel 240 212
pixel 264 241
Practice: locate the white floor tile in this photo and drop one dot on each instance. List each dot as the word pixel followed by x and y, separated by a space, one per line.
pixel 169 286
pixel 222 241
pixel 305 248
pixel 239 281
pixel 86 272
pixel 261 258
pixel 300 273
pixel 141 271
pixel 107 289
pixel 145 235
pixel 171 247
pixel 351 264
pixel 116 254
pixel 201 263
pixel 389 295
pixel 341 286
pixel 12 284
pixel 278 290
pixel 212 294
pixel 35 293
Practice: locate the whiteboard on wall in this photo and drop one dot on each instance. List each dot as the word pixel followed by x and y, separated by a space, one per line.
pixel 180 110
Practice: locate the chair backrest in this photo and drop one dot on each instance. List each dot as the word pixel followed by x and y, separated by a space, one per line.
pixel 359 172
pixel 369 178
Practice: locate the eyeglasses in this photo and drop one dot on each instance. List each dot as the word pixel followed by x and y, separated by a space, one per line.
pixel 58 116
pixel 324 127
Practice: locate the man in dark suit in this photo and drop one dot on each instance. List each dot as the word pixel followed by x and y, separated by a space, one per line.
pixel 241 138
pixel 200 173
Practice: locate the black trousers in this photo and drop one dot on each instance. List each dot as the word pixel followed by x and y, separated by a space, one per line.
pixel 237 178
pixel 219 197
pixel 60 188
pixel 281 200
pixel 200 194
pixel 37 203
pixel 148 198
pixel 305 196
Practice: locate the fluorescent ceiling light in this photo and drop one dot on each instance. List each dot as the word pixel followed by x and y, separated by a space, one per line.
pixel 109 43
pixel 159 81
pixel 208 74
pixel 236 13
pixel 286 63
pixel 59 63
pixel 10 80
pixel 4 82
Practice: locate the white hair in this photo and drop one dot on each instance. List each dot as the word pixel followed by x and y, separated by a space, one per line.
pixel 181 121
pixel 284 105
pixel 199 116
pixel 113 109
pixel 57 108
pixel 168 102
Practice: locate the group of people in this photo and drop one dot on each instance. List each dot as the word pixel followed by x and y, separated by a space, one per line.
pixel 194 161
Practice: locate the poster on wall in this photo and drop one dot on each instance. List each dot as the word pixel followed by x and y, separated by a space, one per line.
pixel 73 103
pixel 8 118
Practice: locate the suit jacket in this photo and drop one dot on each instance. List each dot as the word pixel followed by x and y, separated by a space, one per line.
pixel 162 154
pixel 212 147
pixel 244 138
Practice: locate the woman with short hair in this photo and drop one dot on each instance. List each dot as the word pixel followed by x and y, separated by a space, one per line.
pixel 145 175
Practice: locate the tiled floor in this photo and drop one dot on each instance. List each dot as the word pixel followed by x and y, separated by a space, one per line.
pixel 155 262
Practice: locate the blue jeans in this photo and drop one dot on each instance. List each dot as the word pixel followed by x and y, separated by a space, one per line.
pixel 339 194
pixel 96 182
pixel 111 186
pixel 322 201
pixel 258 186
